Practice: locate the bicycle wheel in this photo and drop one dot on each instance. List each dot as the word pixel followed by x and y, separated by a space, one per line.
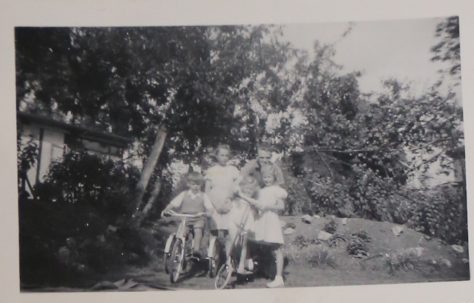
pixel 215 260
pixel 223 276
pixel 176 260
pixel 165 262
pixel 166 258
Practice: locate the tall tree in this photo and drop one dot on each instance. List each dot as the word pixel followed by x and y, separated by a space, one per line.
pixel 176 90
pixel 448 48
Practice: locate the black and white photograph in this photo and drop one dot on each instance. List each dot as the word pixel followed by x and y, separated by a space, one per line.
pixel 241 156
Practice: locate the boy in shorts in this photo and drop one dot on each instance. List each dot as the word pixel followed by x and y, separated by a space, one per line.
pixel 193 201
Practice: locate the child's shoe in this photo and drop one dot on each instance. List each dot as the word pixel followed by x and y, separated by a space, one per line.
pixel 244 272
pixel 195 256
pixel 278 282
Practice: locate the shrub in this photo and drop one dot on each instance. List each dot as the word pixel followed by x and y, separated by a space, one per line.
pixel 442 213
pixel 357 245
pixel 87 200
pixel 330 227
pixel 27 153
pixel 439 212
pixel 330 197
pixel 298 200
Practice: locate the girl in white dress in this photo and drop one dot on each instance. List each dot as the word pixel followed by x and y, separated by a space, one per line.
pixel 242 216
pixel 267 223
pixel 221 183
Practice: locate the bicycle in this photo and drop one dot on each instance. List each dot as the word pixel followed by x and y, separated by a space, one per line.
pixel 227 269
pixel 179 245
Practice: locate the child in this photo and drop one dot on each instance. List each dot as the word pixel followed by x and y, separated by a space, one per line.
pixel 193 201
pixel 267 225
pixel 221 181
pixel 242 216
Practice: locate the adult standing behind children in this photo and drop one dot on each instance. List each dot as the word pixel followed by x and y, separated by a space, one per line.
pixel 253 168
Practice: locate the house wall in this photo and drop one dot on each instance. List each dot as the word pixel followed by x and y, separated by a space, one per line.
pixel 50 142
pixel 52 150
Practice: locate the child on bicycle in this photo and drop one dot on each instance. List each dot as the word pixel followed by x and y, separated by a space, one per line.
pixel 242 217
pixel 270 201
pixel 193 201
pixel 221 183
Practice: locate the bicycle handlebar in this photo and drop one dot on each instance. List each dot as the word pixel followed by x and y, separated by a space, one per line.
pixel 175 214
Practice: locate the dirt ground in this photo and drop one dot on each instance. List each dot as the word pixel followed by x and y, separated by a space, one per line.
pixel 407 258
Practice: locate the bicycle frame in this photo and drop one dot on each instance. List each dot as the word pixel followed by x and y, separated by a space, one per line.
pixel 178 244
pixel 182 230
pixel 225 271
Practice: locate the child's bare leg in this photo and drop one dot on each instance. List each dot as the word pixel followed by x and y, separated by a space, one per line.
pixel 243 255
pixel 278 281
pixel 228 246
pixel 212 241
pixel 197 239
pixel 279 262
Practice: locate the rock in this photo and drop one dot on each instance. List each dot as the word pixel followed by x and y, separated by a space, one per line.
pixel 427 238
pixel 419 251
pixel 397 230
pixel 112 228
pixel 344 221
pixel 458 248
pixel 307 219
pixel 332 217
pixel 324 236
pixel 446 262
pixel 465 260
pixel 316 216
pixel 64 255
pixel 290 225
pixel 416 251
pixel 288 231
pixel 81 267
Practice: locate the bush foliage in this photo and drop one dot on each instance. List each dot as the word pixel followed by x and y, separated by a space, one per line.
pixel 439 212
pixel 79 223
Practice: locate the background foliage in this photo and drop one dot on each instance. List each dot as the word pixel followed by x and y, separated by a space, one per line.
pixel 343 152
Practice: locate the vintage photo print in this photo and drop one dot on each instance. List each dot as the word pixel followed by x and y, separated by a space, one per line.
pixel 279 158
pixel 240 156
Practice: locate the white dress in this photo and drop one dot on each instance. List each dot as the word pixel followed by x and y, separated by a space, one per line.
pixel 222 181
pixel 267 223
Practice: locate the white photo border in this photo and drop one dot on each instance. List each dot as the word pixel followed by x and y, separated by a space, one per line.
pixel 208 12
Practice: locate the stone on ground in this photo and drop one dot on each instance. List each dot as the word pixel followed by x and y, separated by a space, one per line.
pixel 324 236
pixel 307 219
pixel 397 230
pixel 457 248
pixel 446 263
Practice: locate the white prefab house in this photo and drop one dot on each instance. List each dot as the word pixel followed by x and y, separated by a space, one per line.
pixel 55 138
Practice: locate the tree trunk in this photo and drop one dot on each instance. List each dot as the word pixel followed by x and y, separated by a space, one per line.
pixel 149 204
pixel 149 166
